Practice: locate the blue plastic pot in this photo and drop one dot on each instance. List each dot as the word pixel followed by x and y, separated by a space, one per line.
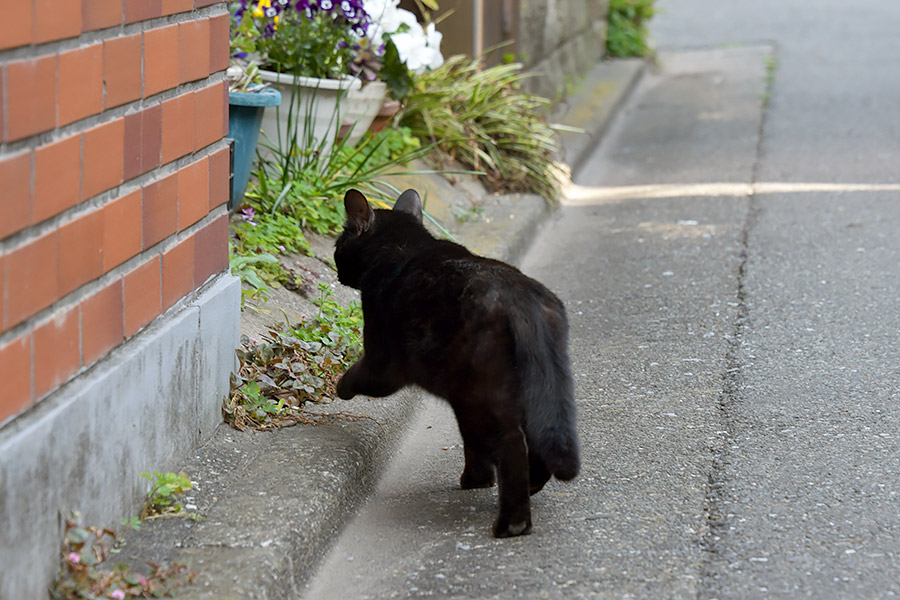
pixel 244 119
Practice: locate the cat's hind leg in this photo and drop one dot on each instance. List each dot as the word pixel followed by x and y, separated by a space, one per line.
pixel 479 469
pixel 512 478
pixel 363 378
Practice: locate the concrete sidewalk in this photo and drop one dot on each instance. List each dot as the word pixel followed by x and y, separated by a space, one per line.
pixel 272 503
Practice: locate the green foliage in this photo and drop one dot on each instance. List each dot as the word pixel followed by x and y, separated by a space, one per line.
pixel 256 240
pixel 626 33
pixel 483 119
pixel 162 497
pixel 302 168
pixel 394 73
pixel 303 191
pixel 82 576
pixel 294 364
pixel 249 267
pixel 771 65
pixel 244 34
pixel 301 203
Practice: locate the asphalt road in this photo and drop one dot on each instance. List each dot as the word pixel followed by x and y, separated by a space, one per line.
pixel 731 266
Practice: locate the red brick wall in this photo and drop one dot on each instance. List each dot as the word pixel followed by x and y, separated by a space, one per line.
pixel 113 177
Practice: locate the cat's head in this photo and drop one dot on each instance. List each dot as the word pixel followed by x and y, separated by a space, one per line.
pixel 368 232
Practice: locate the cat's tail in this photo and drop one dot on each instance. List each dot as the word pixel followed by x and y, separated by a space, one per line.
pixel 540 331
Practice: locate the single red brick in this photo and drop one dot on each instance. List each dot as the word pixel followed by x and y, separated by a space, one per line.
pixel 121 230
pixel 102 322
pixel 208 108
pixel 103 164
pixel 2 293
pixel 177 273
pixel 219 178
pixel 160 59
pixel 131 149
pixel 142 296
pixel 211 250
pixel 225 112
pixel 141 10
pixel 151 137
pixel 57 353
pixel 160 210
pixel 80 83
pixel 219 43
pixel 15 373
pixel 100 14
pixel 32 282
pixel 30 97
pixel 80 251
pixel 57 175
pixel 170 7
pixel 193 193
pixel 55 20
pixel 177 127
pixel 202 3
pixel 2 112
pixel 122 69
pixel 15 26
pixel 15 193
pixel 193 50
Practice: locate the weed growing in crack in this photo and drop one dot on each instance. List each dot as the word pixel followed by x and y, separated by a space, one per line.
pixel 162 499
pixel 82 574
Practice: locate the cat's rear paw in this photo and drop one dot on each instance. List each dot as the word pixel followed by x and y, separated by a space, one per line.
pixel 504 529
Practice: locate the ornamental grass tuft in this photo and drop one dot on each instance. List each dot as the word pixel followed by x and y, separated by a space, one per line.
pixel 483 119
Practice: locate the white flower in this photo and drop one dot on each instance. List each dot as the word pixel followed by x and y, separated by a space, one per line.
pixel 433 39
pixel 419 49
pixel 414 51
pixel 387 18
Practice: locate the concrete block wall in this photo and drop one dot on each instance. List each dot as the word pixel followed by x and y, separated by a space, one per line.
pixel 113 227
pixel 560 41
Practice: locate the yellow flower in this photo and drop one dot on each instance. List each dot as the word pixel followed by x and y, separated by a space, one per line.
pixel 264 4
pixel 258 13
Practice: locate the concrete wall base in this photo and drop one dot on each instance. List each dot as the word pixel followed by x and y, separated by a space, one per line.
pixel 144 407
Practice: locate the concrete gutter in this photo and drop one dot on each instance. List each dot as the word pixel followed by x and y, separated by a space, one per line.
pixel 272 503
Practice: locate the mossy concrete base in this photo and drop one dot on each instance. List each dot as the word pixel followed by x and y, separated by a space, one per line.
pixel 144 407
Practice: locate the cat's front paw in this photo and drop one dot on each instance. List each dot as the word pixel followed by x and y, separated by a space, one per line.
pixel 344 389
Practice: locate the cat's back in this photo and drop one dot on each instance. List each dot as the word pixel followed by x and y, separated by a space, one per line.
pixel 464 283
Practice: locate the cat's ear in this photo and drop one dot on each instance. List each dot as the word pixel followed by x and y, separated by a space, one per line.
pixel 409 202
pixel 360 215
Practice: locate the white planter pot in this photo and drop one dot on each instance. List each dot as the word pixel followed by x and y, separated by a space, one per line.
pixel 361 107
pixel 324 103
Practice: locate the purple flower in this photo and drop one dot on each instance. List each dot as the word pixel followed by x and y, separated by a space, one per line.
pixel 326 4
pixel 74 558
pixel 248 215
pixel 117 594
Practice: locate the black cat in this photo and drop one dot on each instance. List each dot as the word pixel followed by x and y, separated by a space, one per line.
pixel 472 330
